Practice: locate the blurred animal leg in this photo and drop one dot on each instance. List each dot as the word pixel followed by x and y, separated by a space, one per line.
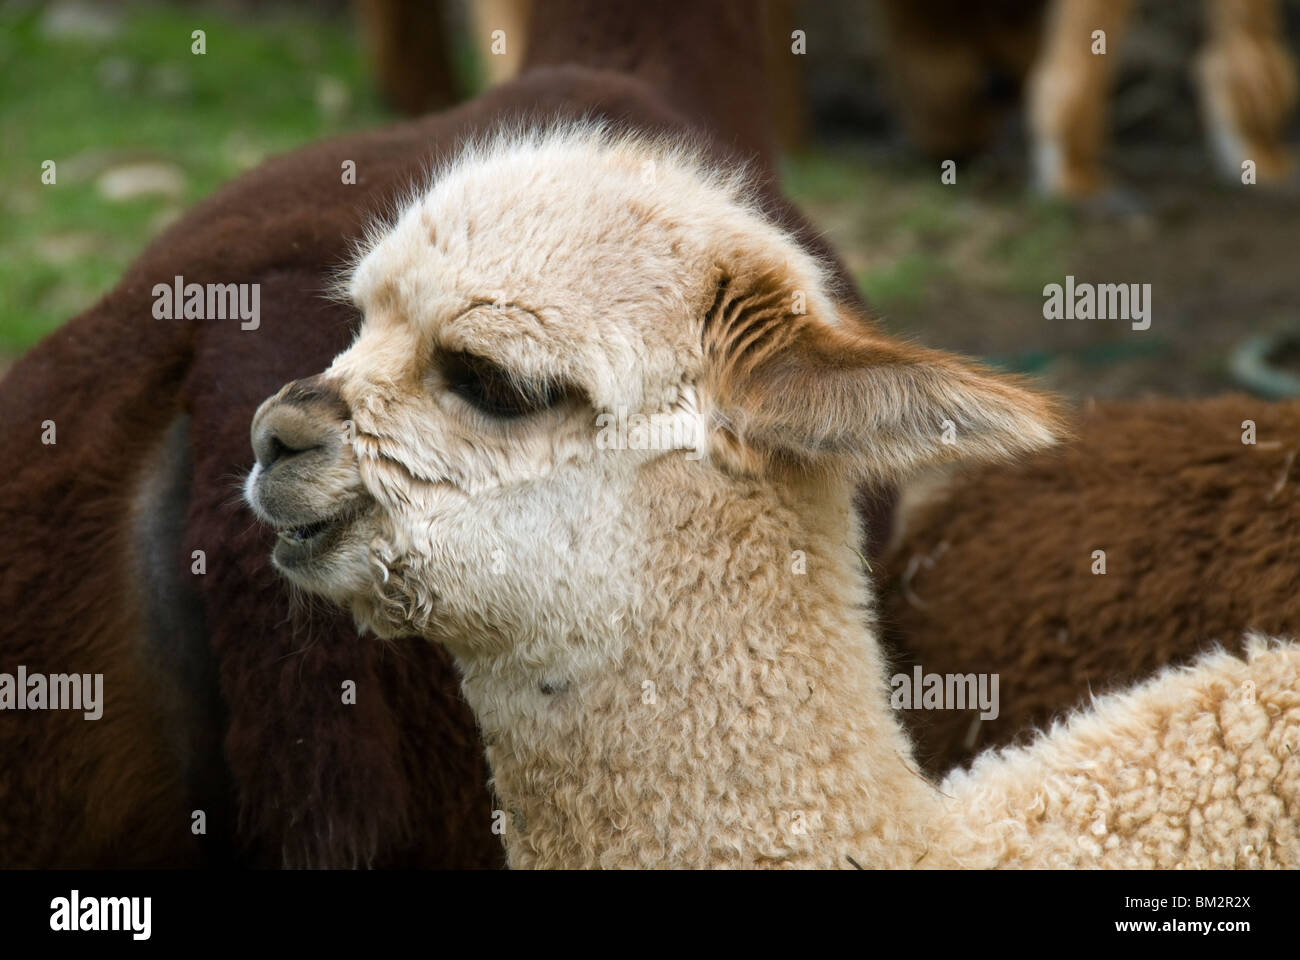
pixel 510 17
pixel 1247 83
pixel 1069 90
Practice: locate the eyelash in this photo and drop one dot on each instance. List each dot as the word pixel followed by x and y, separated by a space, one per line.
pixel 491 390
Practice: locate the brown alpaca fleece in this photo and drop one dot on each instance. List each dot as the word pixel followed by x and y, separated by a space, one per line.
pixel 222 695
pixel 946 60
pixel 993 573
pixel 64 799
pixel 723 90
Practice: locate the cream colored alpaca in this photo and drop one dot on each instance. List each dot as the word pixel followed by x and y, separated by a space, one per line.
pixel 666 643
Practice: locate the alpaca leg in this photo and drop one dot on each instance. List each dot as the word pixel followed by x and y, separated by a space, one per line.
pixel 1247 82
pixel 1068 92
pixel 938 80
pixel 408 50
pixel 510 18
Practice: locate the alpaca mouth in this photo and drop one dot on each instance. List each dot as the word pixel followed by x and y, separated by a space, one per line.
pixel 298 535
pixel 298 546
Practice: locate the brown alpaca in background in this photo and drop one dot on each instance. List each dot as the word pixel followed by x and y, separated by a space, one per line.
pixel 408 48
pixel 946 59
pixel 995 570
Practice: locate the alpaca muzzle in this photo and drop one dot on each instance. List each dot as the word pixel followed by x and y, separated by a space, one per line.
pixel 305 482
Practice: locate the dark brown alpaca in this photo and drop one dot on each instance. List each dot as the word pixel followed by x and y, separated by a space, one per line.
pixel 954 67
pixel 995 574
pixel 220 694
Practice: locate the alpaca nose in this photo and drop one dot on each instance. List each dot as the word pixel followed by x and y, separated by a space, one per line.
pixel 304 416
pixel 283 434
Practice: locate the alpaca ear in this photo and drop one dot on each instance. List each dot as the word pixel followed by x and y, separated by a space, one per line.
pixel 843 396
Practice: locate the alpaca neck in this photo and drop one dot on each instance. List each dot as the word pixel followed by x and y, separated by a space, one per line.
pixel 745 723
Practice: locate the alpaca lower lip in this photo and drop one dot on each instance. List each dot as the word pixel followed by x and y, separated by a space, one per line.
pixel 298 545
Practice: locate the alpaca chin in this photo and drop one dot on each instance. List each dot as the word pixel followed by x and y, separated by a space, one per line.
pixel 385 603
pixel 369 618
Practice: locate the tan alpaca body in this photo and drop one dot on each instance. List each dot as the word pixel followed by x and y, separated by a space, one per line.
pixel 664 643
pixel 1199 767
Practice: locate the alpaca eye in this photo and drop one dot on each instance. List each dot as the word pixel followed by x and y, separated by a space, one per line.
pixel 491 389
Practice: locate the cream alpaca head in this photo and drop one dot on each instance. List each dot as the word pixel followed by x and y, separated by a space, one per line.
pixel 459 471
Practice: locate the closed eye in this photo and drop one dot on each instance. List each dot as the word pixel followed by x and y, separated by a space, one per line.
pixel 493 390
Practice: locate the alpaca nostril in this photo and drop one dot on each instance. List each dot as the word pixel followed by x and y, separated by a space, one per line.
pixel 280 450
pixel 284 433
pixel 270 448
pixel 305 416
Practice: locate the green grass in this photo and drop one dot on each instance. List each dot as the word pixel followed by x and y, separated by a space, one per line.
pixel 269 84
pixel 907 231
pixel 265 85
pixel 824 178
pixel 902 282
pixel 1034 254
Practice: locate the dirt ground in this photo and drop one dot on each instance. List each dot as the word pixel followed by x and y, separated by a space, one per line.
pixel 1223 262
